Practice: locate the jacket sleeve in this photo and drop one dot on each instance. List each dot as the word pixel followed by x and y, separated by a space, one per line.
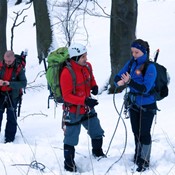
pixel 20 81
pixel 148 80
pixel 67 89
pixel 139 87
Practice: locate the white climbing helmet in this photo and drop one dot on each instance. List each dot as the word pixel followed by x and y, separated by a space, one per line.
pixel 76 50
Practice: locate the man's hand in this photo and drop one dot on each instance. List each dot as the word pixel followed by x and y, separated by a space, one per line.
pixel 94 90
pixel 4 83
pixel 91 102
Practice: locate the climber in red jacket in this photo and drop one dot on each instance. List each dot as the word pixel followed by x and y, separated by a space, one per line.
pixel 79 106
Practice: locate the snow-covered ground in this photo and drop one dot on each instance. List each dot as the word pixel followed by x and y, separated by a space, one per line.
pixel 40 137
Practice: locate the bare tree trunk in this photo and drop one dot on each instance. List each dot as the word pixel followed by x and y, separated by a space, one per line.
pixel 43 28
pixel 122 33
pixel 3 22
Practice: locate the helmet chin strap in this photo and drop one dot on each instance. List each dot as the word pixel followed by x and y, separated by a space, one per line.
pixel 76 59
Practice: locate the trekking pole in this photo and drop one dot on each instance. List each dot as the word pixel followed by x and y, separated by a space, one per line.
pixel 48 87
pixel 23 62
pixel 19 105
pixel 45 65
pixel 156 55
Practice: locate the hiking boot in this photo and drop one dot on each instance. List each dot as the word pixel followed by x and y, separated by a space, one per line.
pixel 97 148
pixel 69 154
pixel 143 162
pixel 8 140
pixel 142 165
pixel 70 166
pixel 98 153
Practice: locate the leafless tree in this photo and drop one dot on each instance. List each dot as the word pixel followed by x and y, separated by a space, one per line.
pixel 71 17
pixel 15 24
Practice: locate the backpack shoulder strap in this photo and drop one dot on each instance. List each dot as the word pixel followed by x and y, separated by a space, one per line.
pixel 89 69
pixel 145 66
pixel 68 65
pixel 17 68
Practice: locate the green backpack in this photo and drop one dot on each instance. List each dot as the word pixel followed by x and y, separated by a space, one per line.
pixel 56 61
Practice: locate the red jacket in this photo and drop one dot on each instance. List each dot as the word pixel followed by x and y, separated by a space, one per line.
pixel 84 82
pixel 7 77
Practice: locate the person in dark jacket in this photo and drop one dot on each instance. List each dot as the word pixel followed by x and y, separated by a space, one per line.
pixel 12 79
pixel 142 106
pixel 79 106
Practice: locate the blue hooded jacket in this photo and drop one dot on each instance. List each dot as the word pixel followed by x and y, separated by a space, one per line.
pixel 140 84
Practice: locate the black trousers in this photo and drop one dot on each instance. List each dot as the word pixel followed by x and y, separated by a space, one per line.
pixel 6 102
pixel 141 122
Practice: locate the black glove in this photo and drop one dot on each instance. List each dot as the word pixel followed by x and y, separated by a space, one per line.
pixel 94 90
pixel 91 102
pixel 119 89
